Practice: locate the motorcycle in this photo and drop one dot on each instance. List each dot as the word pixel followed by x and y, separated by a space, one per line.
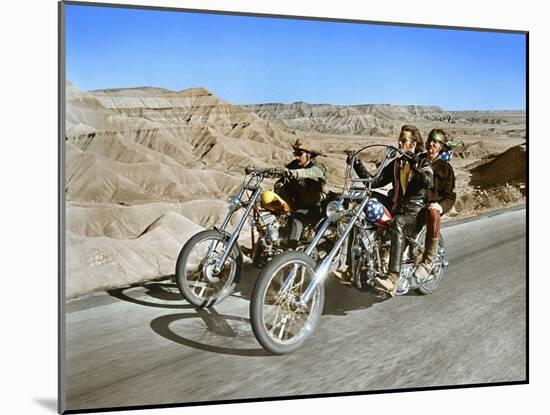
pixel 209 265
pixel 288 297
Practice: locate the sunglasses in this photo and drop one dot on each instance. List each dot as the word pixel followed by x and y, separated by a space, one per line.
pixel 299 153
pixel 405 140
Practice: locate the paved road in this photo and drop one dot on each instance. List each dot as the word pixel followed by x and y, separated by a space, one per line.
pixel 145 345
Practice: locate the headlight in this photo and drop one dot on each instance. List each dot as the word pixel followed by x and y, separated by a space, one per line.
pixel 335 209
pixel 234 203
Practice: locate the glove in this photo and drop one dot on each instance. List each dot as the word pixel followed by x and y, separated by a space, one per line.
pixel 409 156
pixel 290 173
pixel 283 172
pixel 413 159
pixel 416 159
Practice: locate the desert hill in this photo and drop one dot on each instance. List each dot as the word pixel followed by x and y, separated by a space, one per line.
pixel 370 120
pixel 146 168
pixel 136 156
pixel 506 168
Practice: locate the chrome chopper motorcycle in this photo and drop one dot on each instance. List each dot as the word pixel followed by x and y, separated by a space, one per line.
pixel 210 263
pixel 288 297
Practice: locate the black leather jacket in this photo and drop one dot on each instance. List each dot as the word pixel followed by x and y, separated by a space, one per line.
pixel 415 197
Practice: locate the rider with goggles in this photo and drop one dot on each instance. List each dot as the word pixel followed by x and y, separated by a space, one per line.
pixel 441 196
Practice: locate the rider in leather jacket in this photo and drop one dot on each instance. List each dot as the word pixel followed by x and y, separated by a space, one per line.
pixel 411 178
pixel 397 201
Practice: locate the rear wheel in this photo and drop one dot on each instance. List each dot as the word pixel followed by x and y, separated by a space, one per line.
pixel 197 280
pixel 434 278
pixel 280 323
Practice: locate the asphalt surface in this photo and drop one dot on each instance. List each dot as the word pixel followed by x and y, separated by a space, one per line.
pixel 144 345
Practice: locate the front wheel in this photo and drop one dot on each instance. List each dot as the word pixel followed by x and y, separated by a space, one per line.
pixel 280 323
pixel 197 280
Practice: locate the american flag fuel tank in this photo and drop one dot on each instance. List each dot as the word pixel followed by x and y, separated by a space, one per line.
pixel 377 213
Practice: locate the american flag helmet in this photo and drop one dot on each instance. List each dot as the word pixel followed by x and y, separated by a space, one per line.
pixel 377 213
pixel 446 155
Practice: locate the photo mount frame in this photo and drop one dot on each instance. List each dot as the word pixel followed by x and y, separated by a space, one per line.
pixel 62 209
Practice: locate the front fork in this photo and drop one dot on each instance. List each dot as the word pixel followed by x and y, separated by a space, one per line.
pixel 323 269
pixel 237 231
pixel 290 279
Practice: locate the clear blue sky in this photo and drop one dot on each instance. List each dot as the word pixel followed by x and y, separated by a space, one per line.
pixel 247 60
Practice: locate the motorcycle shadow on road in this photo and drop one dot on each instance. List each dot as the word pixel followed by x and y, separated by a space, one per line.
pixel 200 328
pixel 207 330
pixel 340 299
pixel 246 284
pixel 162 293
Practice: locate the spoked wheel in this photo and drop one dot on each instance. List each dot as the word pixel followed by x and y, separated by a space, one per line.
pixel 280 322
pixel 434 278
pixel 197 279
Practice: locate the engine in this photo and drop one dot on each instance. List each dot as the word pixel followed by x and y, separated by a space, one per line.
pixel 273 230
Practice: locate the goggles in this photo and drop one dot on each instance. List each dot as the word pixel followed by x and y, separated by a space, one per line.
pixel 438 138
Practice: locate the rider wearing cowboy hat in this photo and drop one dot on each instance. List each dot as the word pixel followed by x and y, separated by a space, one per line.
pixel 302 187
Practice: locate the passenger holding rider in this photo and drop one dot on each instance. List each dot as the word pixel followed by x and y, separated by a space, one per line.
pixel 411 178
pixel 441 197
pixel 302 188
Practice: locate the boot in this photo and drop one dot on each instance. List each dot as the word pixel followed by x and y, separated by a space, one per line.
pixel 425 267
pixel 388 284
pixel 344 275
